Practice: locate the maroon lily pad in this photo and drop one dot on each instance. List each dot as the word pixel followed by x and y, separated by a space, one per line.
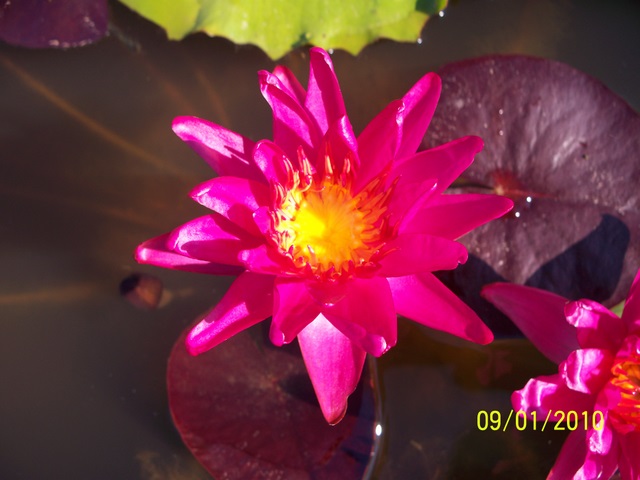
pixel 247 410
pixel 567 151
pixel 46 23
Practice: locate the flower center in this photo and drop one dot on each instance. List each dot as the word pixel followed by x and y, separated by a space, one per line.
pixel 626 377
pixel 322 227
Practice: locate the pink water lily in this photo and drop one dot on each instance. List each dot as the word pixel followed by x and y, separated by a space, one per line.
pixel 331 234
pixel 598 376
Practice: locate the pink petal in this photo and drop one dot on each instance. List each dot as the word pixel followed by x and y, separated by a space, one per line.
pixel 587 370
pixel 263 259
pixel 366 315
pixel 426 300
pixel 549 393
pixel 334 364
pixel 415 253
pixel 597 326
pixel 444 163
pixel 571 458
pixel 420 103
pixel 293 126
pixel 631 312
pixel 270 159
pixel 602 454
pixel 227 152
pixel 340 143
pixel 212 238
pixel 629 461
pixel 378 143
pixel 451 216
pixel 234 198
pixel 538 314
pixel 155 252
pixel 324 99
pixel 293 310
pixel 248 301
pixel 290 83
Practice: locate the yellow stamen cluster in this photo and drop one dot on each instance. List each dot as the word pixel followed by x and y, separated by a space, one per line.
pixel 322 227
pixel 626 377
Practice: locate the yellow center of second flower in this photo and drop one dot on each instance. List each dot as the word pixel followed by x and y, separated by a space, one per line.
pixel 626 377
pixel 322 226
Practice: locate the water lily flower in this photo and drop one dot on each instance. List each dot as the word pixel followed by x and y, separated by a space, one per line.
pixel 598 376
pixel 331 234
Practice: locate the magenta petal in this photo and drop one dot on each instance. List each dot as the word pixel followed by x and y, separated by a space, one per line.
pixel 444 163
pixel 420 103
pixel 549 393
pixel 366 315
pixel 426 300
pixel 538 314
pixel 587 370
pixel 270 159
pixel 293 310
pixel 155 252
pixel 340 143
pixel 212 238
pixel 415 253
pixel 378 143
pixel 631 312
pixel 234 198
pixel 293 126
pixel 262 259
pixel 289 83
pixel 324 99
pixel 451 216
pixel 248 301
pixel 227 152
pixel 597 326
pixel 571 457
pixel 334 364
pixel 629 462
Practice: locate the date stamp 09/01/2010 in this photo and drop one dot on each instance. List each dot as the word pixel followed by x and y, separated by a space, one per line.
pixel 558 420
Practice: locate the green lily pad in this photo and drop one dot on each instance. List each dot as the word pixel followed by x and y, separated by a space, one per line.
pixel 279 26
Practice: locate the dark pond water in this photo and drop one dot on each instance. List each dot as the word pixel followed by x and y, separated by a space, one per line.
pixel 90 168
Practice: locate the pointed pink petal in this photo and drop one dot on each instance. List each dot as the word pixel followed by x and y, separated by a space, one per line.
pixel 270 159
pixel 444 163
pixel 378 143
pixel 538 314
pixel 587 370
pixel 248 301
pixel 155 252
pixel 631 312
pixel 234 198
pixel 602 454
pixel 420 103
pixel 212 238
pixel 334 364
pixel 293 126
pixel 263 259
pixel 227 152
pixel 290 83
pixel 366 315
pixel 424 299
pixel 548 393
pixel 324 99
pixel 451 216
pixel 597 326
pixel 571 457
pixel 293 310
pixel 340 143
pixel 409 216
pixel 415 253
pixel 629 462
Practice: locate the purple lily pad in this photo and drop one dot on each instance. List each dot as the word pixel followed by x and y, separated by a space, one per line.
pixel 246 409
pixel 567 151
pixel 46 23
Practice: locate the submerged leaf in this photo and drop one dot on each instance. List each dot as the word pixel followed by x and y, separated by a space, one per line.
pixel 279 26
pixel 567 151
pixel 46 23
pixel 246 409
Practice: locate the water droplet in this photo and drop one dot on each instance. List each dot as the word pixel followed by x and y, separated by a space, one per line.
pixel 378 430
pixel 441 13
pixel 529 199
pixel 517 214
pixel 419 41
pixel 501 132
pixel 501 111
pixel 330 51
